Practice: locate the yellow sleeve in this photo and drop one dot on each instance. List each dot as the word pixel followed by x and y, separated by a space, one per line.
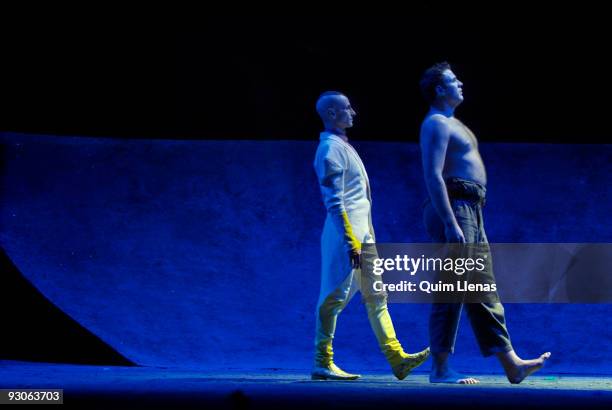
pixel 330 173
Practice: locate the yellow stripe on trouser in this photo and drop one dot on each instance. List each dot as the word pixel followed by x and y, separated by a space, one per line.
pixel 378 314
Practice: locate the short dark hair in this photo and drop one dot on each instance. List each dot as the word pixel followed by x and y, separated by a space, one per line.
pixel 432 77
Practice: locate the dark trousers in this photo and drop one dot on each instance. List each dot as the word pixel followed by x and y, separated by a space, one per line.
pixel 487 319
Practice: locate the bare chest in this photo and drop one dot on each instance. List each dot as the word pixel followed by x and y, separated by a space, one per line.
pixel 462 138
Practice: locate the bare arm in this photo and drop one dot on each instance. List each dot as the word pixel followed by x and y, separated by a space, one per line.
pixel 435 136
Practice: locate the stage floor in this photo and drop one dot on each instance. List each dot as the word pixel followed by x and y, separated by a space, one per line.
pixel 131 387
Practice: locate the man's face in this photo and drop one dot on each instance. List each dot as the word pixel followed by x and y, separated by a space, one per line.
pixel 343 112
pixel 452 89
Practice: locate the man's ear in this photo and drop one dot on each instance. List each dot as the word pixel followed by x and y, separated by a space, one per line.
pixel 331 113
pixel 439 90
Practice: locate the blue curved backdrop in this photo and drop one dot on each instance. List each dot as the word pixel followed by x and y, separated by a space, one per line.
pixel 206 253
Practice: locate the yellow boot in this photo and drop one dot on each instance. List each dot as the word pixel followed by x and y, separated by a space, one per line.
pixel 331 372
pixel 324 367
pixel 409 362
pixel 401 363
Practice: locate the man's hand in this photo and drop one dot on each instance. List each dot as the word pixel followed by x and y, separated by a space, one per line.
pixel 355 258
pixel 454 234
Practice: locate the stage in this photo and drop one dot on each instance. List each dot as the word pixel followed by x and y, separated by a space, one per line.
pixel 129 387
pixel 109 247
pixel 161 220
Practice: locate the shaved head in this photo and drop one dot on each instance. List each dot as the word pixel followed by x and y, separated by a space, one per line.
pixel 327 100
pixel 335 111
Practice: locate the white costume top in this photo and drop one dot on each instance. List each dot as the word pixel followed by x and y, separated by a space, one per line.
pixel 346 194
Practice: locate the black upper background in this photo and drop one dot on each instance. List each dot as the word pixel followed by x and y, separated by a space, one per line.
pixel 531 75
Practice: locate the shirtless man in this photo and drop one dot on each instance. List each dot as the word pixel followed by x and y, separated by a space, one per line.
pixel 456 181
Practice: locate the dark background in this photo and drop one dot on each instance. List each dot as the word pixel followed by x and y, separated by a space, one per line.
pixel 530 74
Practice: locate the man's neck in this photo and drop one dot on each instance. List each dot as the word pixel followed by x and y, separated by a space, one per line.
pixel 337 131
pixel 443 109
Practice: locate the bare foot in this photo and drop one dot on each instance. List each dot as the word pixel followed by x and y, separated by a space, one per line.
pixel 518 371
pixel 451 377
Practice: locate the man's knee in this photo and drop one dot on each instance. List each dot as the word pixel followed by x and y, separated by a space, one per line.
pixel 446 310
pixel 375 303
pixel 333 304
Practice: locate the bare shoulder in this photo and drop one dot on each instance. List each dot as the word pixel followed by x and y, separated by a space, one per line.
pixel 435 119
pixel 435 126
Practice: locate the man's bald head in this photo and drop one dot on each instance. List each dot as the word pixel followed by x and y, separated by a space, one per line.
pixel 335 110
pixel 327 100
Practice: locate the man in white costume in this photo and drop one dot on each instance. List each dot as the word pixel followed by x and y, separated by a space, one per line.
pixel 346 194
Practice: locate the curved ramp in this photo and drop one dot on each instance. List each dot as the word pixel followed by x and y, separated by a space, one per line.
pixel 36 330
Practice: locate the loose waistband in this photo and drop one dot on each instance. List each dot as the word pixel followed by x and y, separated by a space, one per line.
pixel 463 189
